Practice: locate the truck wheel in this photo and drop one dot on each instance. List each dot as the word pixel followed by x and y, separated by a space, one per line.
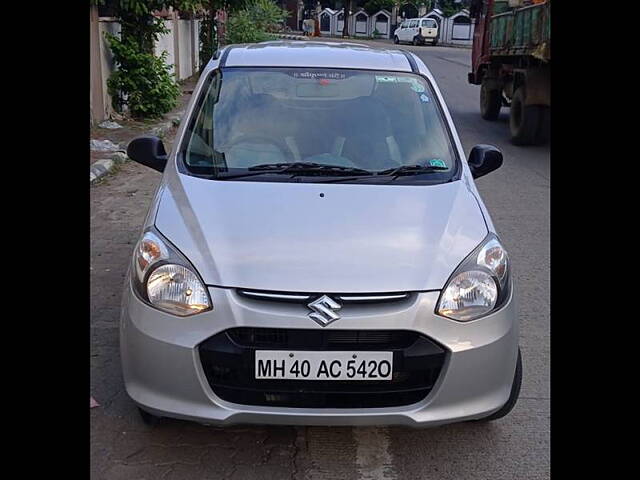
pixel 513 397
pixel 523 120
pixel 544 127
pixel 395 39
pixel 490 101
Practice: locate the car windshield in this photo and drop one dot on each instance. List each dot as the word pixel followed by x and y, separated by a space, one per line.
pixel 298 124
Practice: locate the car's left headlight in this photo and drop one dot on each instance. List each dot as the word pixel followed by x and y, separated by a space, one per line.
pixel 165 279
pixel 479 285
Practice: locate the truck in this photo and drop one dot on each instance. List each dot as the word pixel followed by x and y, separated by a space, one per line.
pixel 511 61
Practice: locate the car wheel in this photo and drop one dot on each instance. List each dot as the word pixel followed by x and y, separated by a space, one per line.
pixel 490 101
pixel 149 419
pixel 435 42
pixel 513 397
pixel 416 41
pixel 395 40
pixel 523 120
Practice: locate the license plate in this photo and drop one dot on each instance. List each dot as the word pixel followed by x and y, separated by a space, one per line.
pixel 295 365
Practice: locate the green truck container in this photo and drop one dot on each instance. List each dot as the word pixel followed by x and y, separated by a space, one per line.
pixel 522 31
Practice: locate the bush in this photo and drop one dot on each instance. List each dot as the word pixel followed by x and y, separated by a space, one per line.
pixel 252 24
pixel 266 14
pixel 242 29
pixel 142 81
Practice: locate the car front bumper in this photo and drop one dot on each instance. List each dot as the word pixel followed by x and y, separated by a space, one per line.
pixel 163 373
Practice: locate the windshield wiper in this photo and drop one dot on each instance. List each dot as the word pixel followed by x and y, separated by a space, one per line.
pixel 300 168
pixel 393 172
pixel 411 170
pixel 296 168
pixel 308 167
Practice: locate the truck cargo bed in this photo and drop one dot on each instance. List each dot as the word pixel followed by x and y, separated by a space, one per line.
pixel 524 31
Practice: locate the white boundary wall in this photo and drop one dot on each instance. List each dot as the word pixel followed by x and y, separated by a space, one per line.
pixel 450 29
pixel 182 51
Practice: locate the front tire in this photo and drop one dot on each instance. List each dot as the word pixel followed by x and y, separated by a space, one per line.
pixel 524 120
pixel 513 397
pixel 490 101
pixel 416 41
pixel 396 40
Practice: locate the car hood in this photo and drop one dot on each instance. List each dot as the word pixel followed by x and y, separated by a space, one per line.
pixel 325 238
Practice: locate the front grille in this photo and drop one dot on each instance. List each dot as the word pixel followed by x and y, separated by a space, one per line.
pixel 343 298
pixel 228 361
pixel 298 339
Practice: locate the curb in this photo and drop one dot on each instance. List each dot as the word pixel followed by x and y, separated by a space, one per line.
pixel 355 39
pixel 102 167
pixel 99 169
pixel 454 45
pixel 291 37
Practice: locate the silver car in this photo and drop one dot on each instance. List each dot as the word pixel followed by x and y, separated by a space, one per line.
pixel 317 252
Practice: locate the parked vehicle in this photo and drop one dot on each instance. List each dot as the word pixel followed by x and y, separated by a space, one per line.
pixel 511 60
pixel 312 256
pixel 418 31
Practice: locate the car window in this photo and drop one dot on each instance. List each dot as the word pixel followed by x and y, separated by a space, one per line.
pixel 413 23
pixel 429 23
pixel 404 24
pixel 346 118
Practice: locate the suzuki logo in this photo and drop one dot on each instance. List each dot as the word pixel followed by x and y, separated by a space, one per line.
pixel 324 310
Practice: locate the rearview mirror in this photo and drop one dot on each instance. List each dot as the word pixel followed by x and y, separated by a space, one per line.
pixel 148 151
pixel 484 159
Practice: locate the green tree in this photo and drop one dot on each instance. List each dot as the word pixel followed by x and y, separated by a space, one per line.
pixel 449 7
pixel 142 80
pixel 373 6
pixel 208 33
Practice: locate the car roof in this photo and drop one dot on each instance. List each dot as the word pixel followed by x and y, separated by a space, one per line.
pixel 315 54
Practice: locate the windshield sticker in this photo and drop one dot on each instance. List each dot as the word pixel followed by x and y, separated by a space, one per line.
pixel 415 83
pixel 424 98
pixel 436 162
pixel 319 75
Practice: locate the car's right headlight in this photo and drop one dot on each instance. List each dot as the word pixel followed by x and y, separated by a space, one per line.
pixel 479 285
pixel 165 279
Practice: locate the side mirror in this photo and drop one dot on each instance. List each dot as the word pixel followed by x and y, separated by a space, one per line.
pixel 484 159
pixel 148 151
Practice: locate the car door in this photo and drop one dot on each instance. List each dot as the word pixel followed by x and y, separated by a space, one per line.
pixel 402 32
pixel 412 31
pixel 429 28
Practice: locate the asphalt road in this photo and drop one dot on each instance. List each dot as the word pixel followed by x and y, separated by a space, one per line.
pixel 515 447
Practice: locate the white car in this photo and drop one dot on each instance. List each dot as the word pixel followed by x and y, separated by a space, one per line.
pixel 418 31
pixel 317 252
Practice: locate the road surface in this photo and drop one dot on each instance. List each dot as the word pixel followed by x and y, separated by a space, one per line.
pixel 516 447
